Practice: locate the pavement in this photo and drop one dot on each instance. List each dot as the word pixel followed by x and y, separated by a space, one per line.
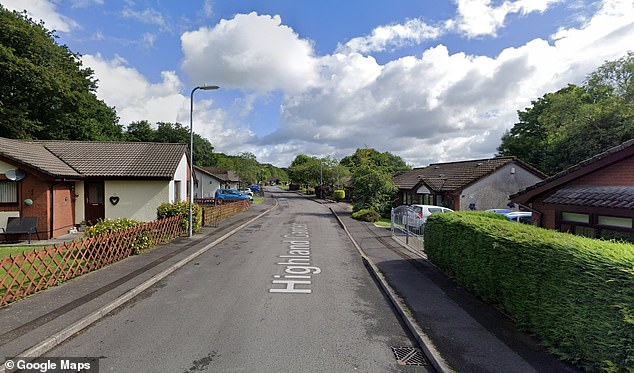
pixel 456 331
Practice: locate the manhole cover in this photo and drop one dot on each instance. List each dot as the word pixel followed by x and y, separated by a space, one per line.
pixel 409 356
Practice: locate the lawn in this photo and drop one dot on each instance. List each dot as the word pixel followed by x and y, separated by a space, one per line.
pixel 258 200
pixel 383 223
pixel 8 250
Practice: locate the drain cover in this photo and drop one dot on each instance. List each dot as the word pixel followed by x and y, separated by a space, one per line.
pixel 409 356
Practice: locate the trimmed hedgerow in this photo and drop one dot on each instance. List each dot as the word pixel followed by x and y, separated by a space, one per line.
pixel 369 215
pixel 339 194
pixel 576 294
pixel 102 227
pixel 181 208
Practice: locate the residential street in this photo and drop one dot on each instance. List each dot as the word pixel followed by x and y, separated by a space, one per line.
pixel 288 293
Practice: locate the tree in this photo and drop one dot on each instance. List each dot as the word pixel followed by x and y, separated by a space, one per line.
pixel 372 178
pixel 304 170
pixel 373 188
pixel 167 132
pixel 45 93
pixel 385 161
pixel 141 131
pixel 566 127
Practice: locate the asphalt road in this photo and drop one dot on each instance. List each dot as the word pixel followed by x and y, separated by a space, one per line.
pixel 287 294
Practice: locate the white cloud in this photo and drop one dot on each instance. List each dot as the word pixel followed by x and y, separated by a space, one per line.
pixel 137 99
pixel 388 37
pixel 133 96
pixel 42 10
pixel 442 106
pixel 479 18
pixel 249 52
pixel 148 15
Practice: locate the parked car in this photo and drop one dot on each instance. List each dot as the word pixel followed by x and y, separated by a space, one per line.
pixel 419 214
pixel 520 216
pixel 525 217
pixel 247 192
pixel 231 194
pixel 500 211
pixel 254 188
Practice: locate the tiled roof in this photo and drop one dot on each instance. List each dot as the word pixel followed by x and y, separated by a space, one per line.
pixel 453 175
pixel 119 159
pixel 614 154
pixel 222 174
pixel 36 156
pixel 97 159
pixel 595 196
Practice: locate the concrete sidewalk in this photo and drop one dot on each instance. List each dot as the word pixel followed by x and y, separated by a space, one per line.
pixel 470 335
pixel 38 323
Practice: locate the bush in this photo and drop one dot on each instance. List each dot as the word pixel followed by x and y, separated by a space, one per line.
pixel 369 215
pixel 181 208
pixel 141 242
pixel 575 293
pixel 339 194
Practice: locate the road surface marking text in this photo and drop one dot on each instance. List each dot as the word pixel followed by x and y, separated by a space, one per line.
pixel 298 270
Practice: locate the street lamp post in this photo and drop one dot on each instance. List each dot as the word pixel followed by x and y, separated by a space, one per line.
pixel 191 152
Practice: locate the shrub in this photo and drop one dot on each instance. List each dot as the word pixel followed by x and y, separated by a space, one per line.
pixel 181 208
pixel 575 293
pixel 141 242
pixel 369 215
pixel 339 194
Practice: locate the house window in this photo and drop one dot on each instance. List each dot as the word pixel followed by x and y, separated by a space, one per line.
pixel 613 221
pixel 177 190
pixel 575 217
pixel 8 192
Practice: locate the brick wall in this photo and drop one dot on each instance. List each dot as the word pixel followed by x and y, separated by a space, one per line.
pixel 621 173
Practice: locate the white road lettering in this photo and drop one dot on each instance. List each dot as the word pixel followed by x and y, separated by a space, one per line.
pixel 298 270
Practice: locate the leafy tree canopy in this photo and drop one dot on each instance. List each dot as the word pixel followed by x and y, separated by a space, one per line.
pixel 166 132
pixel 45 93
pixel 566 127
pixel 385 161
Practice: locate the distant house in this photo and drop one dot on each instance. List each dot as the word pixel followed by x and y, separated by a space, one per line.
pixel 69 183
pixel 211 178
pixel 594 198
pixel 466 185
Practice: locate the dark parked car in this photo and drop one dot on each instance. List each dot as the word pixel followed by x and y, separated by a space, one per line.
pixel 231 194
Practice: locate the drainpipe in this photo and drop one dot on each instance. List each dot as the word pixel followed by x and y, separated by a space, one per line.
pixel 52 222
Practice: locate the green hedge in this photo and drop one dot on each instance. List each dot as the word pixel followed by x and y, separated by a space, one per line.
pixel 576 294
pixel 181 208
pixel 339 194
pixel 141 242
pixel 369 215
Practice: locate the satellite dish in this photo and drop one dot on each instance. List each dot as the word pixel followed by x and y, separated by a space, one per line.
pixel 15 175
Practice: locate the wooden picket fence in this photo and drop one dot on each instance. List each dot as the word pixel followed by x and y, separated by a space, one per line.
pixel 27 273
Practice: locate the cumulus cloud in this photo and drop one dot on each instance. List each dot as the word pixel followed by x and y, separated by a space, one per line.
pixel 135 99
pixel 383 38
pixel 474 18
pixel 250 52
pixel 479 18
pixel 443 106
pixel 43 10
pixel 132 95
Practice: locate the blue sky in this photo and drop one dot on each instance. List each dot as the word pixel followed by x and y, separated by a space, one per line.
pixel 431 81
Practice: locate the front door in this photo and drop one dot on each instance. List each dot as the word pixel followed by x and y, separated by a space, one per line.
pixel 94 201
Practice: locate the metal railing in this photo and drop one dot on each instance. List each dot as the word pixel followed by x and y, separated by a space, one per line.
pixel 406 228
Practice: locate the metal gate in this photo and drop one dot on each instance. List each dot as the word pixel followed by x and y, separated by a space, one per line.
pixel 406 228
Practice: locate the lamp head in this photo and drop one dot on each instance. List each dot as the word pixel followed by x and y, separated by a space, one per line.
pixel 208 87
